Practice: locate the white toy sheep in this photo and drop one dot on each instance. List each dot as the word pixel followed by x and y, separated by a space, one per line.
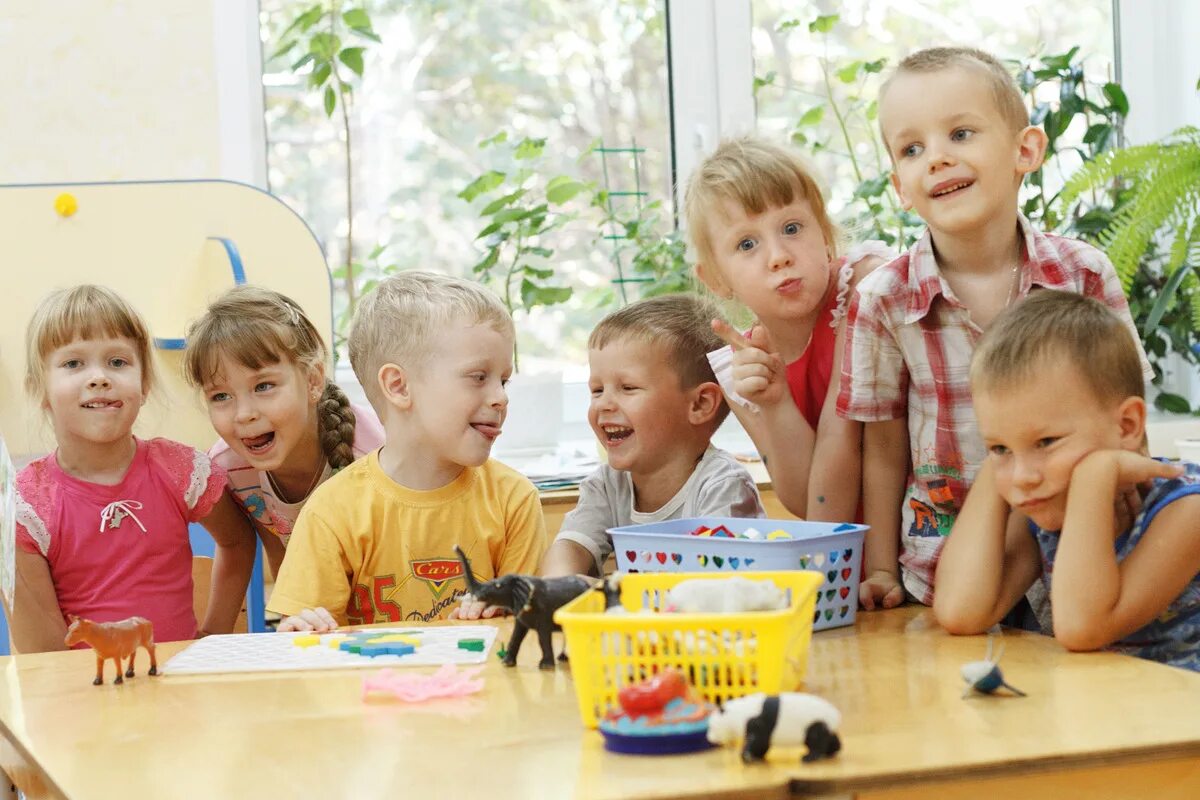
pixel 788 719
pixel 725 596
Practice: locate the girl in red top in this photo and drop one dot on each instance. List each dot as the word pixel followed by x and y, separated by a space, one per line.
pixel 762 237
pixel 102 522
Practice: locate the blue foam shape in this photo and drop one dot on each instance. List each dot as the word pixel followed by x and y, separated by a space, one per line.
pixel 400 648
pixel 373 650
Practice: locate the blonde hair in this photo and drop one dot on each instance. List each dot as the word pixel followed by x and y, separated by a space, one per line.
pixel 996 76
pixel 680 323
pixel 82 312
pixel 756 175
pixel 400 318
pixel 258 327
pixel 1052 326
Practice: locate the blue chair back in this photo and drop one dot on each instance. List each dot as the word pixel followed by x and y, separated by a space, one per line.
pixel 256 602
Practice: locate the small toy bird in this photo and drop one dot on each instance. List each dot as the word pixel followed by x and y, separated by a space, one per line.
pixel 984 676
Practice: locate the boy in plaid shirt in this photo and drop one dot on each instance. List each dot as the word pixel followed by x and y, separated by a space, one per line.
pixel 959 137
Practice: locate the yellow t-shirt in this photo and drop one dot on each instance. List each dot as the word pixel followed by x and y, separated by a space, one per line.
pixel 370 550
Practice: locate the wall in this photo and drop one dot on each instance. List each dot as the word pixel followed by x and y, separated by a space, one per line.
pixel 104 90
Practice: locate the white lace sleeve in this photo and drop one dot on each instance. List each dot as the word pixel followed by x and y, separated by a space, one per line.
pixel 201 468
pixel 721 362
pixel 26 516
pixel 856 253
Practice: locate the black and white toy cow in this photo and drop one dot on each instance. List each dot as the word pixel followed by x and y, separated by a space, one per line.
pixel 787 719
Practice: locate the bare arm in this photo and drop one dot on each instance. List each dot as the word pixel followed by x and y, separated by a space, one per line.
pixel 989 561
pixel 36 621
pixel 1097 601
pixel 779 431
pixel 233 562
pixel 885 473
pixel 835 483
pixel 565 557
pixel 785 440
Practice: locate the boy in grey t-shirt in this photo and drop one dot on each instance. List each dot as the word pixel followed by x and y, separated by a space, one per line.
pixel 655 406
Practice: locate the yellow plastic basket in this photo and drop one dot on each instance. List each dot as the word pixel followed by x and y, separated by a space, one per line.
pixel 723 655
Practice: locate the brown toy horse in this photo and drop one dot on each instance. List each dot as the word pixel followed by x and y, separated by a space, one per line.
pixel 114 640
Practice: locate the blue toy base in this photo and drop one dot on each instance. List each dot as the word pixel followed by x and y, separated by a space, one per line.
pixel 657 745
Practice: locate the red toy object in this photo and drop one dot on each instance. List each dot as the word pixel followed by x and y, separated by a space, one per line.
pixel 721 530
pixel 701 531
pixel 658 716
pixel 114 640
pixel 650 696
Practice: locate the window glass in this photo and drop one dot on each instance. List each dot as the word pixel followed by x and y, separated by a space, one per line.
pixel 445 76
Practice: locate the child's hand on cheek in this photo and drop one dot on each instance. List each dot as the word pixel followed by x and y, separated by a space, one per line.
pixel 1128 468
pixel 759 374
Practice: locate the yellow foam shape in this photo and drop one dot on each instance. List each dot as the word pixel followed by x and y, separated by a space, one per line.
pixel 780 534
pixel 335 641
pixel 395 637
pixel 306 641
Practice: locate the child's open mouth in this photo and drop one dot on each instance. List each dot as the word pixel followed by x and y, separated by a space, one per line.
pixel 102 404
pixel 615 434
pixel 259 444
pixel 950 188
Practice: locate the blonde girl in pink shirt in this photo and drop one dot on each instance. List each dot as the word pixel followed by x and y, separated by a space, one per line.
pixel 285 428
pixel 102 522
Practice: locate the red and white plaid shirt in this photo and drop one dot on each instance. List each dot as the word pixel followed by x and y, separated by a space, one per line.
pixel 908 352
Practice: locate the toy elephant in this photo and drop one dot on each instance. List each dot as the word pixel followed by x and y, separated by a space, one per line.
pixel 532 601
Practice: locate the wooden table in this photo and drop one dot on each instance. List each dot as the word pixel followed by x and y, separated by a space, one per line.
pixel 1101 724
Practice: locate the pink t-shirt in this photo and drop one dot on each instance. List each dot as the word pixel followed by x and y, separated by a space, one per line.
pixel 121 551
pixel 252 490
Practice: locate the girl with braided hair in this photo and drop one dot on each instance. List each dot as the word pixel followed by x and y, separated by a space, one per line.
pixel 284 426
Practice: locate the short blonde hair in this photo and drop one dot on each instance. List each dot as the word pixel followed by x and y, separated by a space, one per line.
pixel 82 312
pixel 680 323
pixel 1051 327
pixel 400 318
pixel 756 175
pixel 999 81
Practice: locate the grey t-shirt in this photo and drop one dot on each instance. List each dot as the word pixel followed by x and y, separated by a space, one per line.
pixel 718 487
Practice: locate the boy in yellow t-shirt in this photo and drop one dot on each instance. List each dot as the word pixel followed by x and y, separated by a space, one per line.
pixel 375 543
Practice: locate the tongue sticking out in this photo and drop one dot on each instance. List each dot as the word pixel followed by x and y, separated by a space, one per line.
pixel 259 442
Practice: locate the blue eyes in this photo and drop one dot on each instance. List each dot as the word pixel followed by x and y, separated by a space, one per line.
pixel 789 229
pixel 957 135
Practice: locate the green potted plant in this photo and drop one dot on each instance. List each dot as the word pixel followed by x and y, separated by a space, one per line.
pixel 1153 239
pixel 521 208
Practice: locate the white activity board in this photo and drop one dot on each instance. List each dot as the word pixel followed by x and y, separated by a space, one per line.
pixel 277 652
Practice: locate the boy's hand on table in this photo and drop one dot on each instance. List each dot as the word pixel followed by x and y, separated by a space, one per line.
pixel 880 589
pixel 317 620
pixel 470 608
pixel 759 374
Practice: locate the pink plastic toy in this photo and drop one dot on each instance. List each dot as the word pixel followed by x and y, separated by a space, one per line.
pixel 446 682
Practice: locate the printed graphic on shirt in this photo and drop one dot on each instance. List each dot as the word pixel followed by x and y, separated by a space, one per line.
pixel 436 572
pixel 373 603
pixel 377 601
pixel 928 522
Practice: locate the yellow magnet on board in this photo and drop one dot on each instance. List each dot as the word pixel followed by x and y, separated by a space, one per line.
pixel 66 204
pixel 780 534
pixel 306 641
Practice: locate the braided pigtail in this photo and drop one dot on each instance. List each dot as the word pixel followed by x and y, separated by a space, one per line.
pixel 335 426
